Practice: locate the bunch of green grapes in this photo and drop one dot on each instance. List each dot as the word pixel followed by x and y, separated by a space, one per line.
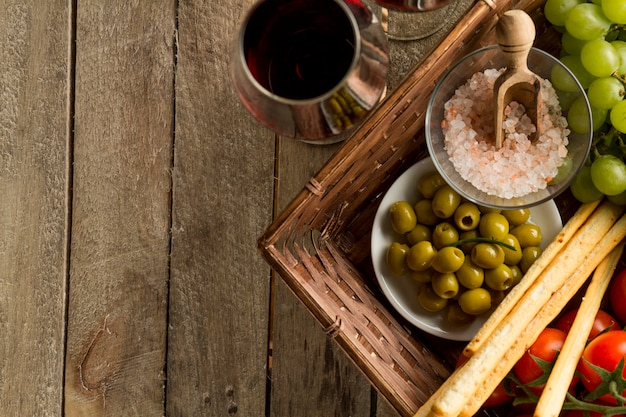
pixel 594 49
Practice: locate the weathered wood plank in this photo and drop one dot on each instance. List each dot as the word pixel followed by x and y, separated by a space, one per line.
pixel 34 149
pixel 222 201
pixel 311 374
pixel 120 237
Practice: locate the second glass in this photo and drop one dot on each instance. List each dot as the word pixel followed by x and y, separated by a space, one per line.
pixel 415 19
pixel 310 69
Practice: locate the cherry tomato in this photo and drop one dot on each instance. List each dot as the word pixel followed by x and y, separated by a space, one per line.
pixel 603 321
pixel 547 345
pixel 617 295
pixel 498 397
pixel 605 351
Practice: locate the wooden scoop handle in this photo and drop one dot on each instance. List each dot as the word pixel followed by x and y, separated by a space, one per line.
pixel 515 32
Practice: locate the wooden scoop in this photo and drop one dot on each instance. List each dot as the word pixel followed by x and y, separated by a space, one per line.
pixel 516 33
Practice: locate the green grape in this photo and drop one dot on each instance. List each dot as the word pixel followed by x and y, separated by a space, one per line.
pixel 586 21
pixel 619 199
pixel 564 81
pixel 620 47
pixel 608 173
pixel 583 76
pixel 566 98
pixel 615 10
pixel 556 10
pixel 578 116
pixel 563 171
pixel 570 44
pixel 605 92
pixel 582 187
pixel 598 117
pixel 600 58
pixel 618 116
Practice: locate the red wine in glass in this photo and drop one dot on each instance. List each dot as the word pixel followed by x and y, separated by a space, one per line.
pixel 310 69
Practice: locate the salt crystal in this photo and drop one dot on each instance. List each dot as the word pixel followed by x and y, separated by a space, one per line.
pixel 520 167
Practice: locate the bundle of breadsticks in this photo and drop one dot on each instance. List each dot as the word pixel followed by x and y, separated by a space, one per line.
pixel 592 240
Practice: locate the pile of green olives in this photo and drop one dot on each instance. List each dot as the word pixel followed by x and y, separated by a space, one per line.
pixel 465 256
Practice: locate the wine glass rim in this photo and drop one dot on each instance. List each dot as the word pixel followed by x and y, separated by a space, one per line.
pixel 353 64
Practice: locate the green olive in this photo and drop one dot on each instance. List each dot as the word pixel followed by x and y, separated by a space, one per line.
pixel 444 234
pixel 487 255
pixel 419 233
pixel 467 216
pixel 485 209
pixel 529 256
pixel 476 301
pixel 445 285
pixel 430 183
pixel 421 256
pixel 511 257
pixel 517 274
pixel 470 275
pixel 445 202
pixel 403 217
pixel 429 300
pixel 423 277
pixel 448 259
pixel 516 216
pixel 493 225
pixel 496 296
pixel 456 315
pixel 527 234
pixel 425 214
pixel 396 258
pixel 470 234
pixel 499 278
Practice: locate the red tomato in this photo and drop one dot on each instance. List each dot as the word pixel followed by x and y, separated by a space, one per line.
pixel 603 321
pixel 549 342
pixel 498 397
pixel 605 351
pixel 617 295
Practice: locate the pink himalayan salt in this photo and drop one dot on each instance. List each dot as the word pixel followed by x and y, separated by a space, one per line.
pixel 520 167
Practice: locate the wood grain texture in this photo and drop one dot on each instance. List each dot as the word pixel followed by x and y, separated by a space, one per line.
pixel 223 193
pixel 34 145
pixel 124 113
pixel 310 372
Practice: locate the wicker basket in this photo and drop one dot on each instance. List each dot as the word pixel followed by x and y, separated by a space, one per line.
pixel 320 244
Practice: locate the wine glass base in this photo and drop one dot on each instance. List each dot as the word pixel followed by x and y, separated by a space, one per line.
pixel 340 137
pixel 407 26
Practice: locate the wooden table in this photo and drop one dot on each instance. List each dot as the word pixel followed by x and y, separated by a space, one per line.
pixel 134 186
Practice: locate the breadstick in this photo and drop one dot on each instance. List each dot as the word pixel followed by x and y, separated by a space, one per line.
pixel 450 400
pixel 549 311
pixel 546 257
pixel 554 393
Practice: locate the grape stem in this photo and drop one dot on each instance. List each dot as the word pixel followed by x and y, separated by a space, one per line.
pixel 622 79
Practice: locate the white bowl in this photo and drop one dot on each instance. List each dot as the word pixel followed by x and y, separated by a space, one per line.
pixel 402 291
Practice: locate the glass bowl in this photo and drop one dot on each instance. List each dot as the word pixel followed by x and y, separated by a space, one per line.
pixel 541 63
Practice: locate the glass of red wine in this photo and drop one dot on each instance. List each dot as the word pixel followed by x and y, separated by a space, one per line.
pixel 414 19
pixel 310 69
